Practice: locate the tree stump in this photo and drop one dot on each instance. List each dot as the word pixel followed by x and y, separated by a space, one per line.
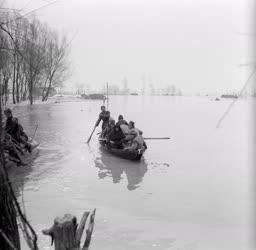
pixel 66 233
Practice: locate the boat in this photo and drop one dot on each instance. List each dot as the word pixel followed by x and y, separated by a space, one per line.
pixel 93 97
pixel 134 155
pixel 26 157
pixel 229 96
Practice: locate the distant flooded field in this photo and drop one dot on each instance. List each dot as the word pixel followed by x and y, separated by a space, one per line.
pixel 191 192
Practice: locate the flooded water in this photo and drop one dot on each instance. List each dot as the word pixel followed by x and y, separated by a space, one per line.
pixel 190 192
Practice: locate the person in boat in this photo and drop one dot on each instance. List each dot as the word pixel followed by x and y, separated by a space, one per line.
pixel 144 143
pixel 123 125
pixel 104 116
pixel 133 129
pixel 132 132
pixel 121 121
pixel 15 130
pixel 137 143
pixel 13 149
pixel 116 137
pixel 108 129
pixel 134 139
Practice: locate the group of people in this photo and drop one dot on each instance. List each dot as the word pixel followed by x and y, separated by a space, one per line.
pixel 15 139
pixel 120 134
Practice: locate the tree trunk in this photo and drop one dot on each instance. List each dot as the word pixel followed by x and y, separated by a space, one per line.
pixel 47 93
pixel 31 92
pixel 17 84
pixel 9 234
pixel 13 81
pixel 6 79
pixel 44 89
pixel 66 233
pixel 24 94
pixel 49 88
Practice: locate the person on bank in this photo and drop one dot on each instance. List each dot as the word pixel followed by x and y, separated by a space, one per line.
pixel 15 130
pixel 104 117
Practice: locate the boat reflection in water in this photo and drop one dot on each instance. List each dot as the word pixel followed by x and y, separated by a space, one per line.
pixel 116 168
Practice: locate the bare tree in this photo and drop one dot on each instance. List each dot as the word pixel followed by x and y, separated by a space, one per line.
pixel 37 57
pixel 56 66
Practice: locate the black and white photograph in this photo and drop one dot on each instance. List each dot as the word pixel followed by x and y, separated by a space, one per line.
pixel 127 124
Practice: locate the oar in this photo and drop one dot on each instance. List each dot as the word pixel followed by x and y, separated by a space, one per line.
pixel 91 135
pixel 157 138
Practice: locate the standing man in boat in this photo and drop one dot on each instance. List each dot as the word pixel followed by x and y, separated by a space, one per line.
pixel 104 116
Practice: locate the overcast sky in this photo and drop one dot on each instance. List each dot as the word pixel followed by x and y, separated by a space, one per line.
pixel 195 45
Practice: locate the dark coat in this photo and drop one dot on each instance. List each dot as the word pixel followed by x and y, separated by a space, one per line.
pixel 104 116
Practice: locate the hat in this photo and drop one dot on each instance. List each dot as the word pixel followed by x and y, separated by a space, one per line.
pixel 132 122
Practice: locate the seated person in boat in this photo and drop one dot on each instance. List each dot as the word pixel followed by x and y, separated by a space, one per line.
pixel 132 132
pixel 116 136
pixel 12 149
pixel 144 143
pixel 137 143
pixel 104 117
pixel 15 130
pixel 134 138
pixel 123 125
pixel 108 129
pixel 121 121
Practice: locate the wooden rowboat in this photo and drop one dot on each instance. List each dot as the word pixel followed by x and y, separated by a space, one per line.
pixel 26 156
pixel 134 155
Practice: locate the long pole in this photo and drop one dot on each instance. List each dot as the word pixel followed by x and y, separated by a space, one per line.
pixel 91 135
pixel 107 95
pixel 104 95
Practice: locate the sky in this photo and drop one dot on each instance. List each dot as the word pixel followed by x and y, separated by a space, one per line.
pixel 197 45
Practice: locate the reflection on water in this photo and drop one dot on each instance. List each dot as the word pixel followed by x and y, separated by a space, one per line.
pixel 110 166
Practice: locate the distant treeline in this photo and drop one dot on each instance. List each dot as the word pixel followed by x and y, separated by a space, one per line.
pixel 33 58
pixel 114 89
pixel 168 90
